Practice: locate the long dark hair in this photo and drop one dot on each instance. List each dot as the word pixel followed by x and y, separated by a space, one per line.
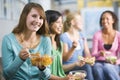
pixel 52 16
pixel 113 16
pixel 22 21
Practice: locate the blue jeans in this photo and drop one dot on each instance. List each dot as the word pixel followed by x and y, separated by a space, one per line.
pixel 87 68
pixel 105 71
pixel 119 70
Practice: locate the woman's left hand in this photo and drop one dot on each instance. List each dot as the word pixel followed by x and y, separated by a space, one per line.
pixel 111 59
pixel 111 62
pixel 41 67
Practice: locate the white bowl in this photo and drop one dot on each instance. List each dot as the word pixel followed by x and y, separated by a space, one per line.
pixel 78 74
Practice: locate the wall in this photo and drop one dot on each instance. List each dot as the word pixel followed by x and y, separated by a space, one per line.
pixel 6 27
pixel 46 4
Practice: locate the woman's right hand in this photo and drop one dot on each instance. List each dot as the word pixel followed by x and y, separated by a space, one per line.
pixel 74 44
pixel 80 63
pixel 24 54
pixel 102 53
pixel 41 67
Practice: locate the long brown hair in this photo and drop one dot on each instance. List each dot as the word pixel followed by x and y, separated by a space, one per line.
pixel 22 21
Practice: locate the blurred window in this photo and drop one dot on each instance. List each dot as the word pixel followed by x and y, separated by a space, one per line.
pixel 11 9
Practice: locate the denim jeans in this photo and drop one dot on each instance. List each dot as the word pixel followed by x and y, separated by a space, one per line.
pixel 87 68
pixel 105 71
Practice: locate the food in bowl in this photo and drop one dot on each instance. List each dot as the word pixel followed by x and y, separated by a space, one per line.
pixel 35 58
pixel 78 74
pixel 88 60
pixel 111 58
pixel 41 60
pixel 80 58
pixel 46 60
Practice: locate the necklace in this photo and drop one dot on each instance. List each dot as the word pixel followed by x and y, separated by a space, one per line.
pixel 30 44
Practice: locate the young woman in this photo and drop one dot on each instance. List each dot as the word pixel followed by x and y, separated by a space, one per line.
pixel 28 37
pixel 106 44
pixel 75 45
pixel 55 22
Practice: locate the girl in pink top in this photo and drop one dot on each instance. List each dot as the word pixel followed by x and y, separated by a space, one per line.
pixel 106 47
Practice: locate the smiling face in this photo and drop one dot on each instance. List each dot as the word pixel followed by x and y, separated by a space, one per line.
pixel 57 26
pixel 107 20
pixel 34 21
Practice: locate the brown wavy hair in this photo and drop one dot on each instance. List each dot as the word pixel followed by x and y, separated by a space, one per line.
pixel 21 27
